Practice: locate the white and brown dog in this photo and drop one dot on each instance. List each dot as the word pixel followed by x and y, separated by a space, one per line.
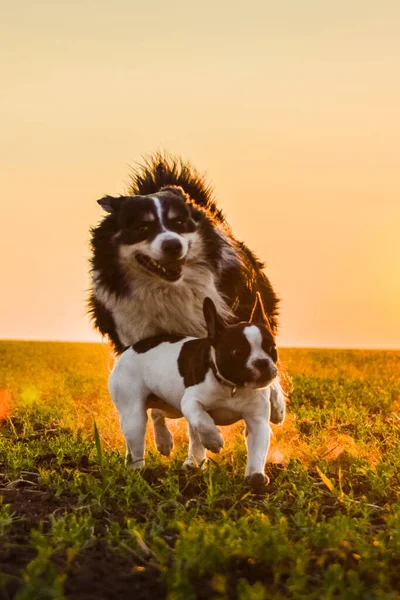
pixel 211 381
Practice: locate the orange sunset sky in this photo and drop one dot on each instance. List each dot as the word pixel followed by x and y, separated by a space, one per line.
pixel 292 108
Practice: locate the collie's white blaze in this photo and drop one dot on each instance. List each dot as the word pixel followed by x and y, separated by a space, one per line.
pixel 155 247
pixel 254 337
pixel 157 206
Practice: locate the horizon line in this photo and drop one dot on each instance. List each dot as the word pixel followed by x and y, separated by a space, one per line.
pixel 306 346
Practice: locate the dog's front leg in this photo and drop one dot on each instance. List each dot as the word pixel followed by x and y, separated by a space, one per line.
pixel 196 416
pixel 133 424
pixel 258 436
pixel 129 398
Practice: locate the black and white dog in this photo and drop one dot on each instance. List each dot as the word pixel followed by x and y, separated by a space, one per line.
pixel 219 380
pixel 158 253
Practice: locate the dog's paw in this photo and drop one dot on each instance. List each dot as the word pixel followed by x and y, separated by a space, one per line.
pixel 134 465
pixel 191 465
pixel 257 481
pixel 164 442
pixel 212 440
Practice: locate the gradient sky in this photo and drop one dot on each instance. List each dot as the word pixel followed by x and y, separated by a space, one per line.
pixel 292 109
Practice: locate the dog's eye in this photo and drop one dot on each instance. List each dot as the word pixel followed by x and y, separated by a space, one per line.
pixel 143 227
pixel 238 352
pixel 178 221
pixel 272 351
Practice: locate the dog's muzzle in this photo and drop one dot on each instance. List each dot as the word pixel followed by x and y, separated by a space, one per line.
pixel 170 270
pixel 264 372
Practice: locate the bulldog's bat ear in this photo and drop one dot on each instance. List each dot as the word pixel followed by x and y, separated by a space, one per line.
pixel 258 313
pixel 215 324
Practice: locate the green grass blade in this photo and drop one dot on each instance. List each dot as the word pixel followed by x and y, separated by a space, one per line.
pixel 99 449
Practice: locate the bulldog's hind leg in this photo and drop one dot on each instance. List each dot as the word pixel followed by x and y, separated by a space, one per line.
pixel 278 403
pixel 197 453
pixel 162 435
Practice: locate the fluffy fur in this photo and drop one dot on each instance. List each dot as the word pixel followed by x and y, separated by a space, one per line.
pixel 125 300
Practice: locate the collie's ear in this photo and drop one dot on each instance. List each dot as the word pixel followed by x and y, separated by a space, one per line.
pixel 110 204
pixel 258 313
pixel 215 324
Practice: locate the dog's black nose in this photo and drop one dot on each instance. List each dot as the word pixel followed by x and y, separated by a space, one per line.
pixel 265 366
pixel 172 248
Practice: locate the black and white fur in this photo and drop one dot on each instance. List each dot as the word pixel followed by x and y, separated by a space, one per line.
pixel 158 253
pixel 215 380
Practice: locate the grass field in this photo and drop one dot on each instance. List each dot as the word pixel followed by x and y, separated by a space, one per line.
pixel 74 523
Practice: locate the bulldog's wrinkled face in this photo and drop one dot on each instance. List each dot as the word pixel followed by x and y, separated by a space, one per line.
pixel 157 233
pixel 245 354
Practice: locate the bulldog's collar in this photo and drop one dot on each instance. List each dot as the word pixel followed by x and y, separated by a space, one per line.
pixel 222 379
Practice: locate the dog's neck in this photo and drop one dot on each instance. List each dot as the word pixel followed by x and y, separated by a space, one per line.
pixel 220 378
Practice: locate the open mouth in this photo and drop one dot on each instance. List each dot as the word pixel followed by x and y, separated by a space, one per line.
pixel 167 272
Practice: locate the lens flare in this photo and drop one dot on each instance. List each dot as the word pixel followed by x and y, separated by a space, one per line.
pixel 5 404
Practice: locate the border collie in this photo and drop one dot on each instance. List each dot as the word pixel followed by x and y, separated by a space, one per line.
pixel 156 255
pixel 219 380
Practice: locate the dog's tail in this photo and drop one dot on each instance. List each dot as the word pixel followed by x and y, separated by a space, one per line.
pixel 163 169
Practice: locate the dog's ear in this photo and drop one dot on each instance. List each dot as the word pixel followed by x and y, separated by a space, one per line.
pixel 215 324
pixel 110 204
pixel 258 313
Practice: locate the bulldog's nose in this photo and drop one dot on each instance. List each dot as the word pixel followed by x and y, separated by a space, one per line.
pixel 265 366
pixel 172 248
